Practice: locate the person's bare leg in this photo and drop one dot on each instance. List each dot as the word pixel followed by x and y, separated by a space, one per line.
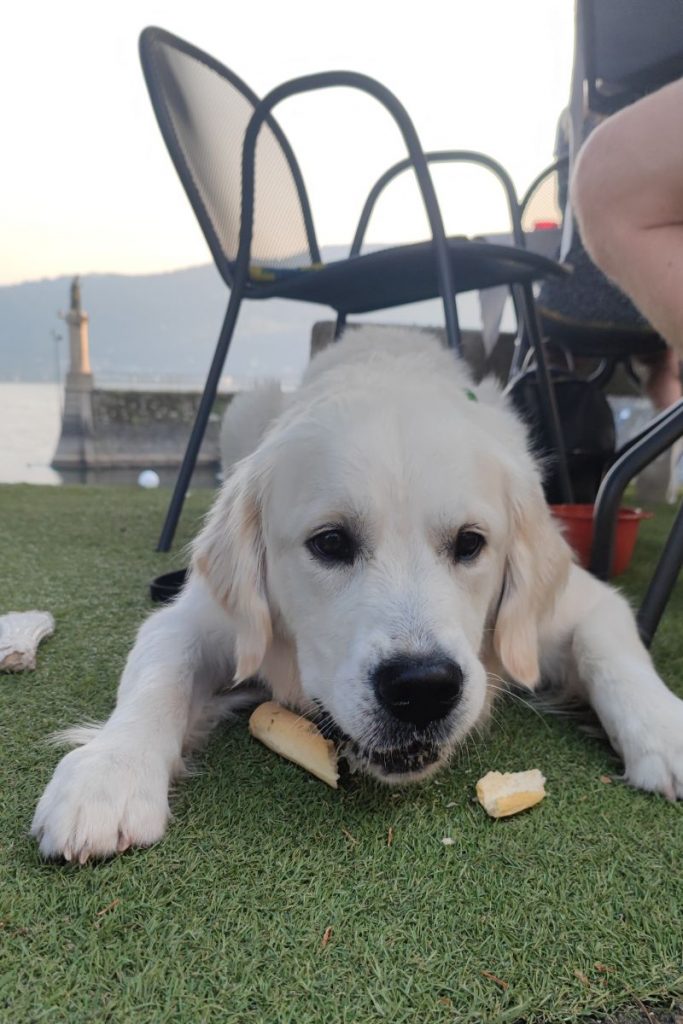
pixel 627 192
pixel 663 379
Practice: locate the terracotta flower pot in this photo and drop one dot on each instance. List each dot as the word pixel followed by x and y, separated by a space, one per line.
pixel 577 521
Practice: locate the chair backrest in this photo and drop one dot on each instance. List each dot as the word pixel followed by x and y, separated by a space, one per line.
pixel 203 110
pixel 630 48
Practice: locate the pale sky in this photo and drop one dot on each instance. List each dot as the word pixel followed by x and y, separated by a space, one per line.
pixel 87 186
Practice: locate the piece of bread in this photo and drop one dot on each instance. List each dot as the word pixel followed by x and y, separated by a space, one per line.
pixel 295 738
pixel 504 793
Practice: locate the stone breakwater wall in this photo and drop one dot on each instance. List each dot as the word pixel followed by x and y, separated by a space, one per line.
pixel 137 429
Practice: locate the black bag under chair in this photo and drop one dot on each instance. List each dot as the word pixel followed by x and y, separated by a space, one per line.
pixel 587 426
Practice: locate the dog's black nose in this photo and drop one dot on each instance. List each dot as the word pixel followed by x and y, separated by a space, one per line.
pixel 418 690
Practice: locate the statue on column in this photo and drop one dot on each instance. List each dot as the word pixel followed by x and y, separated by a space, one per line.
pixel 76 294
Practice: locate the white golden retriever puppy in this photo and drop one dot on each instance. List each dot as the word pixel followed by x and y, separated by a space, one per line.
pixel 381 547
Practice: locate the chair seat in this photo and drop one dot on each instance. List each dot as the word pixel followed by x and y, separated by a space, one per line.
pixel 599 340
pixel 397 276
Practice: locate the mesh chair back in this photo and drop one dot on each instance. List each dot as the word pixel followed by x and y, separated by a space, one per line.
pixel 203 110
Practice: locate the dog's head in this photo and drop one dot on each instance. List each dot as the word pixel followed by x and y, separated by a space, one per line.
pixel 387 539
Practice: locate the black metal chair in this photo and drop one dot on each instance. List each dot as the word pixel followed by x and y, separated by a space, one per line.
pixel 248 194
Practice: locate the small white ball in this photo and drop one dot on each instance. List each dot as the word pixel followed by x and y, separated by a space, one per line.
pixel 148 478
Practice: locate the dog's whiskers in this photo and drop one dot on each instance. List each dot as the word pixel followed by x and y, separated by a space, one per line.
pixel 472 746
pixel 506 691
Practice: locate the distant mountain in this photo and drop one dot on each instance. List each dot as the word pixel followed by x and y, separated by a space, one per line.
pixel 164 327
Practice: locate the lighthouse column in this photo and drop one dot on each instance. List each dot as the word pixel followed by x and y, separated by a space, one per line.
pixel 75 447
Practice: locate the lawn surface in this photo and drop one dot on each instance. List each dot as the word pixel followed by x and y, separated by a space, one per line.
pixel 573 908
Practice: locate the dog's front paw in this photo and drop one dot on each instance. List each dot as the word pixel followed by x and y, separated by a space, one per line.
pixel 99 802
pixel 653 760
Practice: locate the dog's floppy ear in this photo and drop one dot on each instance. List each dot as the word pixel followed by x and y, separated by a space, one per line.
pixel 230 554
pixel 537 566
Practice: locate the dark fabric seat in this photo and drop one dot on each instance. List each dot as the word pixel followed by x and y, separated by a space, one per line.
pixel 590 317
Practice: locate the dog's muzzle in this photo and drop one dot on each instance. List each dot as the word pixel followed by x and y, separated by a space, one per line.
pixel 415 696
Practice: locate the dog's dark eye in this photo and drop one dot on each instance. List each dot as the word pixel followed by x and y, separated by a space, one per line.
pixel 467 545
pixel 333 546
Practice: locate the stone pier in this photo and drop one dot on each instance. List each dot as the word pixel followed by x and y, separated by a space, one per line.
pixel 124 429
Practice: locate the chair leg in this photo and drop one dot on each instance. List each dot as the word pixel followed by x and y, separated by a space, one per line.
pixel 658 438
pixel 339 326
pixel 452 323
pixel 662 582
pixel 521 345
pixel 196 437
pixel 546 391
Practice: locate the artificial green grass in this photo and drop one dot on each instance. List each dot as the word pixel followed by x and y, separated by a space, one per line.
pixel 575 906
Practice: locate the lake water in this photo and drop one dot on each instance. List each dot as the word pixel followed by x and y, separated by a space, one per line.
pixel 30 417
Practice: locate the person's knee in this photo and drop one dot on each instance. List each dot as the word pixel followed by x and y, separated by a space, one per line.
pixel 601 223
